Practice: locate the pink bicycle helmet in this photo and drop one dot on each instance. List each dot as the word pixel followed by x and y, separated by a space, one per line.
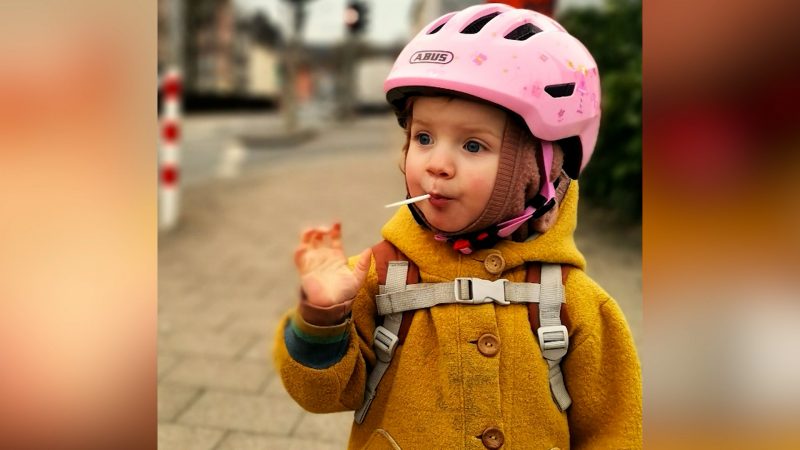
pixel 518 59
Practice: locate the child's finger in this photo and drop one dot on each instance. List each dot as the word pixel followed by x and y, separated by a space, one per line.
pixel 299 253
pixel 336 236
pixel 336 230
pixel 305 235
pixel 362 266
pixel 315 239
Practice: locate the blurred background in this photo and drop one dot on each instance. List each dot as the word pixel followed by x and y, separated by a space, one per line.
pixel 273 118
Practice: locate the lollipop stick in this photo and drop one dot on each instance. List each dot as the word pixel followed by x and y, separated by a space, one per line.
pixel 408 201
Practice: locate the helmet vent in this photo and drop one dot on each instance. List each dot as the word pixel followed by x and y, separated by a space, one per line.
pixel 476 26
pixel 523 32
pixel 439 27
pixel 560 90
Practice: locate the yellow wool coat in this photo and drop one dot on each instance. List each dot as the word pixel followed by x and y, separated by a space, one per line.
pixel 441 392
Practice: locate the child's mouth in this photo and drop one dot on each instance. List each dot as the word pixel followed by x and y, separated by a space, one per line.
pixel 438 201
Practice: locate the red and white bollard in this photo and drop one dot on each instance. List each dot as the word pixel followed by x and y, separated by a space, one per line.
pixel 170 139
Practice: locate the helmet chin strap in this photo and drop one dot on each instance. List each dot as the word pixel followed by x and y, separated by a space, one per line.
pixel 546 198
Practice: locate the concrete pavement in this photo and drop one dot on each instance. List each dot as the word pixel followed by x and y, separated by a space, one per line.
pixel 226 276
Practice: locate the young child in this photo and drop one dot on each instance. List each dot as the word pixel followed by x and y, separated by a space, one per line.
pixel 473 324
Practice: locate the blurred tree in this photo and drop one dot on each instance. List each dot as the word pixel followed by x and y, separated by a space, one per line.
pixel 614 37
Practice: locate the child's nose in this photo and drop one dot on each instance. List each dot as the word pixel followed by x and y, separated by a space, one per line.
pixel 440 163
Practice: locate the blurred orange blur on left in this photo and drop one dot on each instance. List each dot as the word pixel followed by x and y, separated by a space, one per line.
pixel 78 234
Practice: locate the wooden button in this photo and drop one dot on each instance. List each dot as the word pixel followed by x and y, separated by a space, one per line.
pixel 492 438
pixel 494 263
pixel 488 345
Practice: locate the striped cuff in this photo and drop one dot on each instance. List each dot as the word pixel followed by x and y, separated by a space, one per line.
pixel 314 346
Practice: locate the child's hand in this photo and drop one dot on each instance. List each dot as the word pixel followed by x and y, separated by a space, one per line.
pixel 324 275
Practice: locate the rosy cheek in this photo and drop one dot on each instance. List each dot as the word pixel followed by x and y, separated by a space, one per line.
pixel 481 184
pixel 413 171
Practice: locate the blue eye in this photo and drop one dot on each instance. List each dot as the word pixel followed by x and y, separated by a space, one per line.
pixel 473 146
pixel 424 139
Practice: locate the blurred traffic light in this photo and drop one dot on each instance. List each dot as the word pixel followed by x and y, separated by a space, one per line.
pixel 355 16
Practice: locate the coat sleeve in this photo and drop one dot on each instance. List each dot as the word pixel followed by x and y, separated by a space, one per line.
pixel 331 374
pixel 601 371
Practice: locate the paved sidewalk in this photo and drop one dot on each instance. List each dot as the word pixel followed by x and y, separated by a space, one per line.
pixel 226 277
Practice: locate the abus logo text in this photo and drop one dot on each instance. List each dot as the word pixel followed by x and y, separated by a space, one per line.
pixel 431 56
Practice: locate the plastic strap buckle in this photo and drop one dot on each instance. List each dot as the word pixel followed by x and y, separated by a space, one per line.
pixel 553 341
pixel 481 291
pixel 385 343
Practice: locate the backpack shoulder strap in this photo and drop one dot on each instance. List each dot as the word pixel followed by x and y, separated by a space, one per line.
pixel 534 275
pixel 546 324
pixel 395 271
pixel 385 252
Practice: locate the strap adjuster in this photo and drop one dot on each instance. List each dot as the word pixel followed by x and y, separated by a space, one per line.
pixel 480 291
pixel 384 342
pixel 553 340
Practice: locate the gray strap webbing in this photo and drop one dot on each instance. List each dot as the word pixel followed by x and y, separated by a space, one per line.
pixel 385 337
pixel 470 290
pixel 553 336
pixel 395 298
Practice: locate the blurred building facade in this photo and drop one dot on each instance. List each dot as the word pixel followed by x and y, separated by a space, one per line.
pixel 227 53
pixel 221 52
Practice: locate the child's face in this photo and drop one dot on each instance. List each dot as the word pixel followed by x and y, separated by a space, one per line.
pixel 453 154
